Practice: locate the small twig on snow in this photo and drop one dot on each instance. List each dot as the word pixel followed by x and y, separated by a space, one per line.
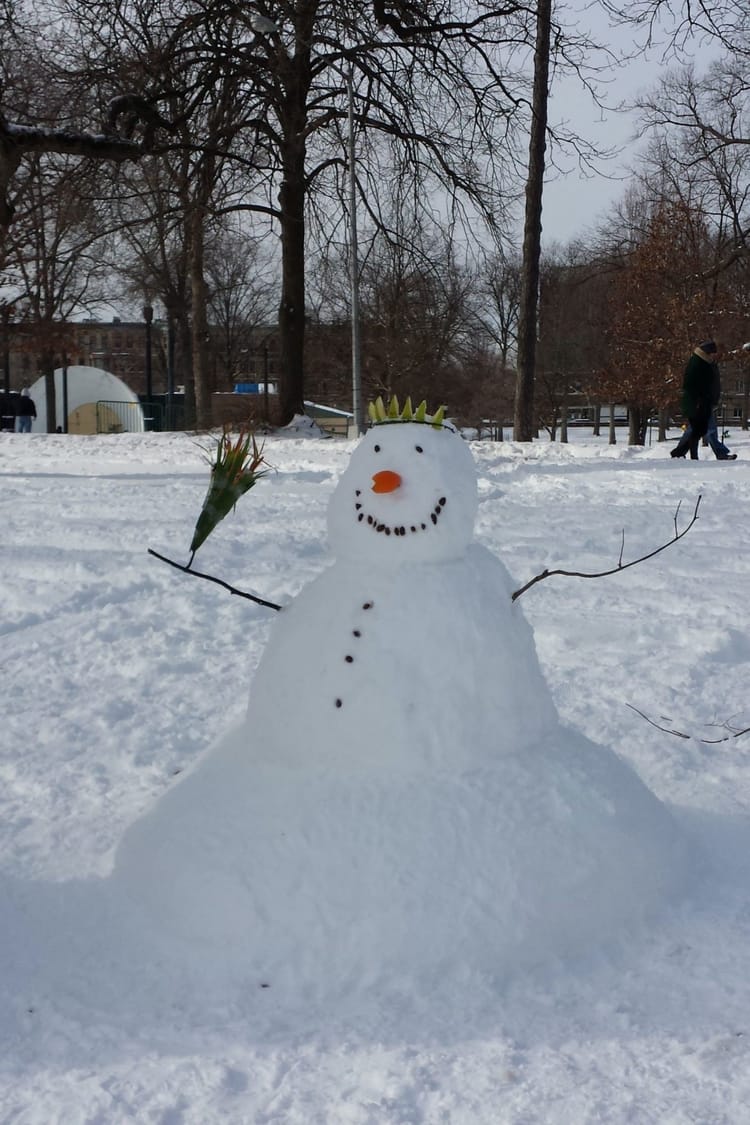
pixel 620 565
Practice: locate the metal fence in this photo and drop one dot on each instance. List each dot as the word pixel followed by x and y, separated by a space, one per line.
pixel 114 417
pixel 118 417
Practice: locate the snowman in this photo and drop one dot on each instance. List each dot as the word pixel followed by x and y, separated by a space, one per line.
pixel 402 794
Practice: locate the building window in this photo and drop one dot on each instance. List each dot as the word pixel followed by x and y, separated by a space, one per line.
pixel 737 412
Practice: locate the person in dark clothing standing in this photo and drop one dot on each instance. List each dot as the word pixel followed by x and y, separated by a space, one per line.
pixel 25 411
pixel 698 388
pixel 721 451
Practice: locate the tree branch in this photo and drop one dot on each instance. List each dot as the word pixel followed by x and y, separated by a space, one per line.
pixel 681 734
pixel 620 565
pixel 210 578
pixel 101 146
pixel 116 143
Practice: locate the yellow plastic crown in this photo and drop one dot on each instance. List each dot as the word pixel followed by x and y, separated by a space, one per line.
pixel 381 415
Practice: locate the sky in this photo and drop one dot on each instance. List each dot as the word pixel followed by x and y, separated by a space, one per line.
pixel 143 734
pixel 575 202
pixel 577 199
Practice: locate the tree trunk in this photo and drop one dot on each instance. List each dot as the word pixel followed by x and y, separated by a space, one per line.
pixel 637 425
pixel 523 420
pixel 199 323
pixel 292 307
pixel 597 419
pixel 662 425
pixel 292 206
pixel 184 368
pixel 612 430
pixel 50 395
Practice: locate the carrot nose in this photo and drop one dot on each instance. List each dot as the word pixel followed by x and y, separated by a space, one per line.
pixel 385 481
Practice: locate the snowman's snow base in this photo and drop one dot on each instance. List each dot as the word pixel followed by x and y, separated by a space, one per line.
pixel 266 873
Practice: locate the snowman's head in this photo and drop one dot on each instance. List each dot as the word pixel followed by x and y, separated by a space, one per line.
pixel 408 494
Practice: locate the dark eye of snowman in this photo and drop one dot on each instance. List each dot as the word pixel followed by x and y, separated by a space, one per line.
pixel 419 449
pixel 376 448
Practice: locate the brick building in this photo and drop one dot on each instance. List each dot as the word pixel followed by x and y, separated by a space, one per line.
pixel 117 346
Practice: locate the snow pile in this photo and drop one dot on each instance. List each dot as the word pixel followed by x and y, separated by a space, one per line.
pixel 302 425
pixel 402 795
pixel 119 673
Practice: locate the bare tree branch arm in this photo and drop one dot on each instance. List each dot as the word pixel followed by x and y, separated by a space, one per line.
pixel 210 578
pixel 681 734
pixel 620 565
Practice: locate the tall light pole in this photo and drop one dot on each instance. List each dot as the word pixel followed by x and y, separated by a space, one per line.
pixel 170 370
pixel 354 265
pixel 148 316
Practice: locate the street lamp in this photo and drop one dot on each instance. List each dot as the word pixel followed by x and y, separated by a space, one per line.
pixel 148 316
pixel 354 265
pixel 170 369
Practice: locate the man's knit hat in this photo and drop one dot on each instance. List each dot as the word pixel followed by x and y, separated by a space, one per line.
pixel 709 347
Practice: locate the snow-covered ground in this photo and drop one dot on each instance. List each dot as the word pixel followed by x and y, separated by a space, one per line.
pixel 119 673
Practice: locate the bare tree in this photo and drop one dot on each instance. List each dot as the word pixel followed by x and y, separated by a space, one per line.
pixel 43 112
pixel 436 94
pixel 54 249
pixel 573 320
pixel 659 306
pixel 500 293
pixel 682 25
pixel 701 150
pixel 240 299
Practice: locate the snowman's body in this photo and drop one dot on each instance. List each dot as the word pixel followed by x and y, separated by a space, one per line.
pixel 410 637
pixel 397 661
pixel 402 793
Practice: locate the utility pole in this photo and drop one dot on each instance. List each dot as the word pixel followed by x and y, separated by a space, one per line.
pixel 354 267
pixel 148 316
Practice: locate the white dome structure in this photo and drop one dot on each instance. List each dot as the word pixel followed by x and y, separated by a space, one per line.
pixel 98 402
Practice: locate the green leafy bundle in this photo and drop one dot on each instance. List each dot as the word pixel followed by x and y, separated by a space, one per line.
pixel 234 470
